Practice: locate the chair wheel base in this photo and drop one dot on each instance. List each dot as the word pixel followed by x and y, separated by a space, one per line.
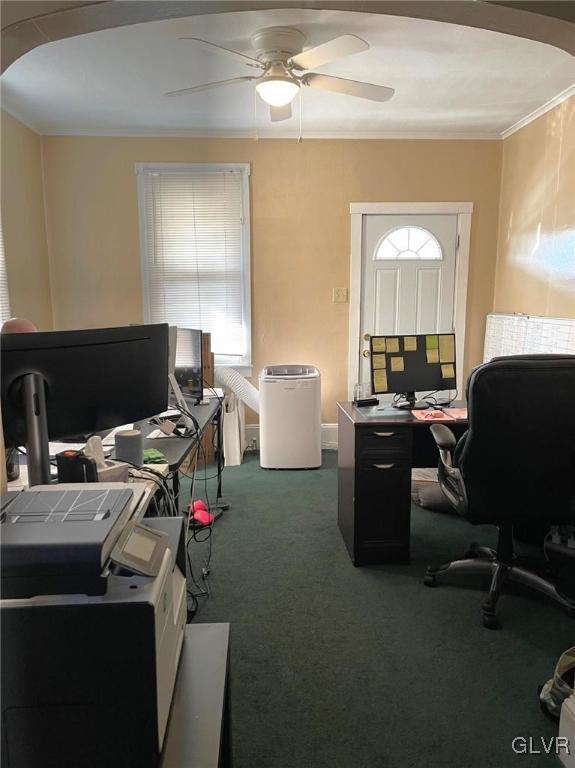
pixel 476 551
pixel 500 567
pixel 429 580
pixel 490 621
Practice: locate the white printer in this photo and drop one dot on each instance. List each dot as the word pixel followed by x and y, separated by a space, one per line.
pixel 93 612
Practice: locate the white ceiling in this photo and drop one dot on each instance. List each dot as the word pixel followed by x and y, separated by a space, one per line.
pixel 449 80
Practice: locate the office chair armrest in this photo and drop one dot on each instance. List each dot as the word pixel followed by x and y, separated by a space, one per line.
pixel 443 436
pixel 450 478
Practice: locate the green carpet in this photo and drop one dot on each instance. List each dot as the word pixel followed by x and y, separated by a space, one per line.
pixel 341 667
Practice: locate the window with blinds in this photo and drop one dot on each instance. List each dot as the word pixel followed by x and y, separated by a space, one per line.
pixel 4 296
pixel 195 240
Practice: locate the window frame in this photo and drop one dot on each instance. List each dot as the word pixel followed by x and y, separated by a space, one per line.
pixel 5 303
pixel 399 258
pixel 243 364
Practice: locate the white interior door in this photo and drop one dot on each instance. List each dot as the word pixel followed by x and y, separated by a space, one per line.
pixel 408 277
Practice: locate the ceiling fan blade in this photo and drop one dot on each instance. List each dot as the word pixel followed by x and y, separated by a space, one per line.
pixel 208 86
pixel 280 113
pixel 226 52
pixel 348 87
pixel 334 49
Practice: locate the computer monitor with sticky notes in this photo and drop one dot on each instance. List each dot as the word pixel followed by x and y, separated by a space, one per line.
pixel 414 363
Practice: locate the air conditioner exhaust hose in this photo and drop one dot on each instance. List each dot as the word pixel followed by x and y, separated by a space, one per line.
pixel 229 377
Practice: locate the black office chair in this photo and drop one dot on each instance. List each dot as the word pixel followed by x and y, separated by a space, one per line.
pixel 514 465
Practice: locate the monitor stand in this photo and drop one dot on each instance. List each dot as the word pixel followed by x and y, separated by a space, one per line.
pixel 37 447
pixel 409 403
pixel 182 404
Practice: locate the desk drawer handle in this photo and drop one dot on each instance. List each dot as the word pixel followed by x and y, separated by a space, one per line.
pixel 383 466
pixel 384 434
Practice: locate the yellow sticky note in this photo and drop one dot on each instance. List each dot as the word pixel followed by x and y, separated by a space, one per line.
pixel 447 372
pixel 392 345
pixel 410 343
pixel 431 342
pixel 378 362
pixel 446 349
pixel 380 381
pixel 432 355
pixel 397 364
pixel 378 344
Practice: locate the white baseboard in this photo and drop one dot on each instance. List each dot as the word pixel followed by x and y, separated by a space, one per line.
pixel 328 437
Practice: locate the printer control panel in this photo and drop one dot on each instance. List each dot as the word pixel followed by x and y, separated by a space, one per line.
pixel 140 549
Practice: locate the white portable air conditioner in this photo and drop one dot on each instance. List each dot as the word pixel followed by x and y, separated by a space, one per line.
pixel 290 417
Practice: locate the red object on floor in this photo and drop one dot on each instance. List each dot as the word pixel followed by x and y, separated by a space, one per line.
pixel 199 514
pixel 202 517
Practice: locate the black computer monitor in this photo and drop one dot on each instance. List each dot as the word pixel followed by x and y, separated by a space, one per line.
pixel 189 362
pixel 59 384
pixel 413 363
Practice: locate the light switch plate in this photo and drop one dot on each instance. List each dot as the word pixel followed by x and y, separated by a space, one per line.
pixel 340 295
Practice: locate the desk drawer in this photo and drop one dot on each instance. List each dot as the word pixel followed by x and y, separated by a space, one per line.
pixel 381 461
pixel 383 507
pixel 384 441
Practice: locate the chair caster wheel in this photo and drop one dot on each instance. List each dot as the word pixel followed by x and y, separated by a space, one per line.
pixel 490 621
pixel 429 580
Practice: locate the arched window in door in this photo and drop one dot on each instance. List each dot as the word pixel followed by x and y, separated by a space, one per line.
pixel 405 243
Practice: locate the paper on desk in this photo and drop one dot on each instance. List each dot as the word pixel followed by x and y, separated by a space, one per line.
pixel 457 413
pixel 56 448
pixel 157 433
pixel 59 447
pixel 432 416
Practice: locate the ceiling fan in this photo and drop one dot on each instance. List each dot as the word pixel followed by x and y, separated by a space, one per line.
pixel 282 62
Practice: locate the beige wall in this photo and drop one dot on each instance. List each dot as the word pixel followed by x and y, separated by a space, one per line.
pixel 536 252
pixel 300 196
pixel 23 223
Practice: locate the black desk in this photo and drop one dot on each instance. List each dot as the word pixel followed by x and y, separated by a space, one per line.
pixel 376 453
pixel 177 449
pixel 198 734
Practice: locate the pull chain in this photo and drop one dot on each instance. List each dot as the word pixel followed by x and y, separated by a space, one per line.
pixel 300 139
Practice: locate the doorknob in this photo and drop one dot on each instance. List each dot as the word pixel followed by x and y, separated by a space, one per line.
pixel 366 353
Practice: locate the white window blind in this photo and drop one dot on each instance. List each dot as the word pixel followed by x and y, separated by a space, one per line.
pixel 4 296
pixel 194 225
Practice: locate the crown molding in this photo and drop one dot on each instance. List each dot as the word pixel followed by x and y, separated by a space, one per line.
pixel 186 133
pixel 158 133
pixel 549 105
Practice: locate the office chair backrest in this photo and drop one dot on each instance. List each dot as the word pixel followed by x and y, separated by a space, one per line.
pixel 518 460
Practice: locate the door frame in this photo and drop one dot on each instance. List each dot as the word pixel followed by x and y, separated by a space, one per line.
pixel 464 212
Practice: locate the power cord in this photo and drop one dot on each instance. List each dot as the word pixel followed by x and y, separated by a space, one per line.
pixel 201 591
pixel 147 473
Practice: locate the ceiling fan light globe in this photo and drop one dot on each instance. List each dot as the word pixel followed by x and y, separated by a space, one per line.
pixel 277 92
